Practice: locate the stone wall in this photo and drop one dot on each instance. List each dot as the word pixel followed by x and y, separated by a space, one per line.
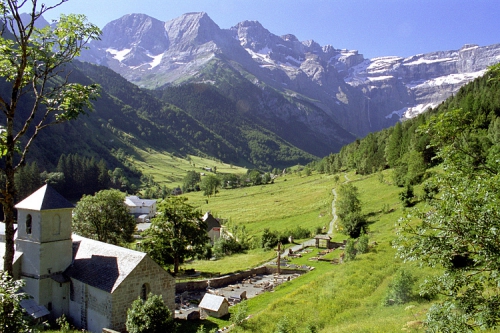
pixel 157 280
pixel 231 279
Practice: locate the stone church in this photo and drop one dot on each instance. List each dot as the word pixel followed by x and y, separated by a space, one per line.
pixel 90 282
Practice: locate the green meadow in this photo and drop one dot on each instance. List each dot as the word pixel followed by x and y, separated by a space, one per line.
pixel 344 297
pixel 169 169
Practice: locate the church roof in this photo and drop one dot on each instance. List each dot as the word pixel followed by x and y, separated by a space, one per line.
pixel 101 265
pixel 44 198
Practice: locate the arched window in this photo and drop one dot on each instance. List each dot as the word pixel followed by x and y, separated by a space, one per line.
pixel 144 291
pixel 29 224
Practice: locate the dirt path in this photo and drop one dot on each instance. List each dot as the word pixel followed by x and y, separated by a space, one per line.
pixel 334 213
pixel 334 210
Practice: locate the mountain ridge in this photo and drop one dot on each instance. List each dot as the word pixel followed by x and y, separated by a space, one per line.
pixel 360 95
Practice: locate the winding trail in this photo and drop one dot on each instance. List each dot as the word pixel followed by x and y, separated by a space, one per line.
pixel 334 212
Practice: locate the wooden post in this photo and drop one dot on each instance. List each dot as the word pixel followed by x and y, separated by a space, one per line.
pixel 279 258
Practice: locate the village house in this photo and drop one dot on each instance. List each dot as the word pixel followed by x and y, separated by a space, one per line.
pixel 90 282
pixel 214 306
pixel 142 209
pixel 213 226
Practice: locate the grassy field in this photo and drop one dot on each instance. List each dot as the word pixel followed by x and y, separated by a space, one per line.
pixel 168 169
pixel 333 298
pixel 291 201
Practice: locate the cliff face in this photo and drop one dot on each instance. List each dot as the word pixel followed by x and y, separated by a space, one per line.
pixel 330 91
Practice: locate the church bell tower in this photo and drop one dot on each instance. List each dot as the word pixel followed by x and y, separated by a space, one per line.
pixel 44 241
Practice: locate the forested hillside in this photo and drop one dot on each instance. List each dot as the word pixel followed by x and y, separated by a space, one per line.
pixel 127 118
pixel 410 148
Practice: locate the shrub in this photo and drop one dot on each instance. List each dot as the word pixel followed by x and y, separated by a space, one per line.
pixel 149 316
pixel 350 250
pixel 400 290
pixel 240 314
pixel 269 239
pixel 362 243
pixel 227 246
pixel 406 196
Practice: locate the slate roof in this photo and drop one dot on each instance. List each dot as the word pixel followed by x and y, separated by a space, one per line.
pixel 212 302
pixel 33 309
pixel 45 198
pixel 211 221
pixel 134 201
pixel 101 265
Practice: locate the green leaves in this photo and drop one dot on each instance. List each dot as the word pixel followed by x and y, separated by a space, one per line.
pixel 104 217
pixel 149 316
pixel 71 101
pixel 176 233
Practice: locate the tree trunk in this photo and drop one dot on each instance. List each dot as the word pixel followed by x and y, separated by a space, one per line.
pixel 9 218
pixel 176 264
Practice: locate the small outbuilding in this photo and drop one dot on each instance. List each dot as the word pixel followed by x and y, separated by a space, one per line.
pixel 214 306
pixel 324 238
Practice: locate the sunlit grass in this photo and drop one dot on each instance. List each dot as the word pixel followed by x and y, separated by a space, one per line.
pixel 234 263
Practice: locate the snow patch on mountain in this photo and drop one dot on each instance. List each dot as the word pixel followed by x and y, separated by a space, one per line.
pixel 119 55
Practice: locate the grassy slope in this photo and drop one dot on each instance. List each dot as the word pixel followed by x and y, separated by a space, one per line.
pixel 291 201
pixel 335 298
pixel 169 170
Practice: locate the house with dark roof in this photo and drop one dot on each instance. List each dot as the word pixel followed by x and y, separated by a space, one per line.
pixel 90 282
pixel 213 226
pixel 141 209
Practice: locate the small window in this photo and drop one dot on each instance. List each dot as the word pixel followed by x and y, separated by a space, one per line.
pixel 49 306
pixel 144 291
pixel 56 225
pixel 29 224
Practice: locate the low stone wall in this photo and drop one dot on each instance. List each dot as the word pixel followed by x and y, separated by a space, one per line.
pixel 231 279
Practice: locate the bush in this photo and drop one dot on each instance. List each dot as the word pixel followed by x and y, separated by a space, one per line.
pixel 240 314
pixel 149 316
pixel 227 246
pixel 354 224
pixel 430 190
pixel 406 196
pixel 269 239
pixel 400 290
pixel 362 243
pixel 350 250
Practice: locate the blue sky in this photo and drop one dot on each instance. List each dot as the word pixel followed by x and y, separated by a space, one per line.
pixel 373 27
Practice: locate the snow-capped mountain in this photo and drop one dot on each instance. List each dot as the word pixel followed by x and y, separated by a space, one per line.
pixel 326 87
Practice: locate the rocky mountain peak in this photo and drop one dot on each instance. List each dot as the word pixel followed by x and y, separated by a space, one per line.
pixel 135 31
pixel 192 27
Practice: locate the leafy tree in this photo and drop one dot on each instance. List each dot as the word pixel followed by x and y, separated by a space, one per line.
pixel 37 92
pixel 459 233
pixel 176 233
pixel 12 317
pixel 406 196
pixel 209 185
pixel 269 239
pixel 149 316
pixel 255 177
pixel 190 181
pixel 104 217
pixel 349 211
pixel 393 148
